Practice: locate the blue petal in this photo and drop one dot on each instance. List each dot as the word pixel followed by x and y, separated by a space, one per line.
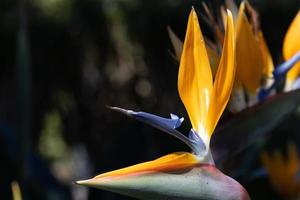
pixel 167 125
pixel 279 75
pixel 195 137
pixel 265 92
pixel 175 119
pixel 172 123
pixel 280 71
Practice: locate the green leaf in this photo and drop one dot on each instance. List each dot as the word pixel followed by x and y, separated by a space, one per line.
pixel 250 126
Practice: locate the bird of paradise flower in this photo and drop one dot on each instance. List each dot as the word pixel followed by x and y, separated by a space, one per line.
pixel 186 175
pixel 256 76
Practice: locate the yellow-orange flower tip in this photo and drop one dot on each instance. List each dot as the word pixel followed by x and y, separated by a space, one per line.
pixel 291 46
pixel 249 61
pixel 268 65
pixel 194 77
pixel 204 100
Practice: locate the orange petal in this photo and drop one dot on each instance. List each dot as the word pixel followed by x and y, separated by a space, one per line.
pixel 249 59
pixel 225 76
pixel 178 45
pixel 268 65
pixel 174 161
pixel 291 46
pixel 195 78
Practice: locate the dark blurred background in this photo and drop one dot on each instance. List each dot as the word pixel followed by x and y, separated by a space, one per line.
pixel 63 61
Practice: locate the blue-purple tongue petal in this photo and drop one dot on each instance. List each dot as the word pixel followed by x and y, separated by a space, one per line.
pixel 167 125
pixel 175 119
pixel 279 74
pixel 283 68
pixel 195 137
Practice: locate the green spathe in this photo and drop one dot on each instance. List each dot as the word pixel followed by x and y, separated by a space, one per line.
pixel 203 182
